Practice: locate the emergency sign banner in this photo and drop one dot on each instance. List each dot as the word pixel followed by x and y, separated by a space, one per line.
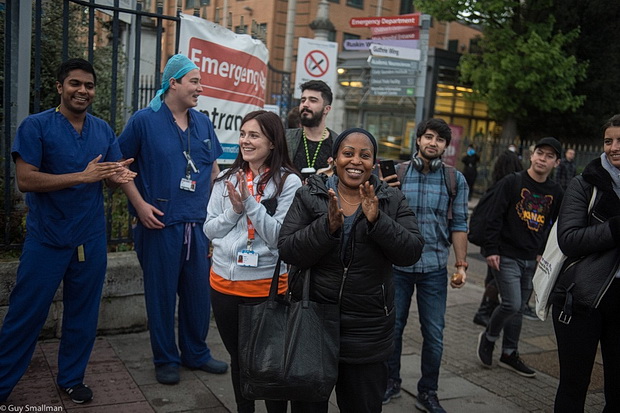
pixel 233 72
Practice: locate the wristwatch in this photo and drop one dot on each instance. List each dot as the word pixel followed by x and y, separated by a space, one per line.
pixel 461 264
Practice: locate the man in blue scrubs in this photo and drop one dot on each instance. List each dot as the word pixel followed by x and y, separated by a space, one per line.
pixel 62 156
pixel 176 151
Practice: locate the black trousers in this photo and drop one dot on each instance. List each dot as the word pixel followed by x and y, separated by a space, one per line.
pixel 359 389
pixel 577 345
pixel 226 312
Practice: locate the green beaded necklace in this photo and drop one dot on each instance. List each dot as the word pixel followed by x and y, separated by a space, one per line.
pixel 316 153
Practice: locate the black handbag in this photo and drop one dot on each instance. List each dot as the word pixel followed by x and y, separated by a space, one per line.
pixel 580 282
pixel 288 350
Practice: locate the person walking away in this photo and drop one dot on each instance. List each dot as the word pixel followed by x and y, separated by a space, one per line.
pixel 62 156
pixel 470 168
pixel 584 234
pixel 506 163
pixel 516 234
pixel 244 216
pixel 176 149
pixel 567 169
pixel 443 222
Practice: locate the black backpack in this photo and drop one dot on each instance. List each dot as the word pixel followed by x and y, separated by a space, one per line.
pixel 480 214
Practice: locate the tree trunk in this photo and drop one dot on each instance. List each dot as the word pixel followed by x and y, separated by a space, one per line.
pixel 509 129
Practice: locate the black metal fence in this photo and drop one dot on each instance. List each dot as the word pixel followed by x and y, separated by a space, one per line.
pixel 490 147
pixel 63 29
pixel 83 28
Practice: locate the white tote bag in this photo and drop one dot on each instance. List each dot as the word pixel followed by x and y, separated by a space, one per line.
pixel 549 267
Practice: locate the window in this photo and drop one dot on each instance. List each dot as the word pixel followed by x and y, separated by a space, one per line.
pixel 406 6
pixel 474 45
pixel 259 31
pixel 389 130
pixel 191 4
pixel 331 36
pixel 334 1
pixel 356 3
pixel 453 45
pixel 350 36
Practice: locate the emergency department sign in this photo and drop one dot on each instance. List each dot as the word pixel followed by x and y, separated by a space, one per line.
pixel 316 60
pixel 233 71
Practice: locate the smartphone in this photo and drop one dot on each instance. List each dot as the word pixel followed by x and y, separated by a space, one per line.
pixel 387 169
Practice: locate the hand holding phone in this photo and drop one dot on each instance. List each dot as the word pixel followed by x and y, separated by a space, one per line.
pixel 387 170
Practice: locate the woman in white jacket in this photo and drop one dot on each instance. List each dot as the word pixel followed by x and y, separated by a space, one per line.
pixel 245 212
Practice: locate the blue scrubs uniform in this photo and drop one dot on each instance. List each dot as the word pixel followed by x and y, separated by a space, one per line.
pixel 175 259
pixel 60 225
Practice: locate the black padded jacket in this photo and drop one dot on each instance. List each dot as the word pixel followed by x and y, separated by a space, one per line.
pixel 358 275
pixel 590 241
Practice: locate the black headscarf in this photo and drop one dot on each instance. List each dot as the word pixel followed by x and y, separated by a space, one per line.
pixel 346 133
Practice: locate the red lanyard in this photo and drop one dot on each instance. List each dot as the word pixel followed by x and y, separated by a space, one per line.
pixel 249 179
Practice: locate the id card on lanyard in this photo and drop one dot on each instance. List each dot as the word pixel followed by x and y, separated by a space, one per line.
pixel 248 257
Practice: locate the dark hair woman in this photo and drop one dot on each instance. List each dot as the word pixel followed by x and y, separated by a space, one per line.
pixel 350 228
pixel 244 216
pixel 589 286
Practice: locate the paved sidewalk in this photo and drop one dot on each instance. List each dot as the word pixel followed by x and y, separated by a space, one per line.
pixel 122 375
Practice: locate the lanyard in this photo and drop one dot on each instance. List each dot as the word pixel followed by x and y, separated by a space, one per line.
pixel 249 180
pixel 316 152
pixel 190 167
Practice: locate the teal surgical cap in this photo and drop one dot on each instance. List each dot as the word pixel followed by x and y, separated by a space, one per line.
pixel 177 67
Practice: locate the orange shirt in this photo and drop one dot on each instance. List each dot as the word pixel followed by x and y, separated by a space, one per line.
pixel 252 288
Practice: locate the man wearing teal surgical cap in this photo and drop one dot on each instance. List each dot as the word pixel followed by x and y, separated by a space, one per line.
pixel 177 67
pixel 175 151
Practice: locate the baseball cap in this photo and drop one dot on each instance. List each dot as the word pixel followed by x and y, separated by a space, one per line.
pixel 553 142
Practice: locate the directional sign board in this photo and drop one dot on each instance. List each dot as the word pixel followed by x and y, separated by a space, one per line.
pixel 392 91
pixel 412 19
pixel 401 81
pixel 364 44
pixel 393 77
pixel 395 32
pixel 395 52
pixel 389 63
pixel 316 60
pixel 379 71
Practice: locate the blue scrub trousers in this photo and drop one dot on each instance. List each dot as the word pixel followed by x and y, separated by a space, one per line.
pixel 40 271
pixel 167 273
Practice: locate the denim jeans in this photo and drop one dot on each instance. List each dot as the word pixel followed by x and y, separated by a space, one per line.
pixel 514 282
pixel 431 297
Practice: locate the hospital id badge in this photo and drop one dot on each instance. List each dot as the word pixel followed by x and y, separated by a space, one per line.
pixel 188 185
pixel 247 258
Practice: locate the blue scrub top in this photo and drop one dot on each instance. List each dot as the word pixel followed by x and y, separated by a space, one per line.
pixel 157 144
pixel 71 216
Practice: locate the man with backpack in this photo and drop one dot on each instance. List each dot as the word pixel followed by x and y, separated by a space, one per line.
pixel 524 207
pixel 506 163
pixel 438 194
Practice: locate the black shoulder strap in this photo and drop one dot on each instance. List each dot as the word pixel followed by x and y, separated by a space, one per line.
pixel 401 170
pixel 449 174
pixel 518 180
